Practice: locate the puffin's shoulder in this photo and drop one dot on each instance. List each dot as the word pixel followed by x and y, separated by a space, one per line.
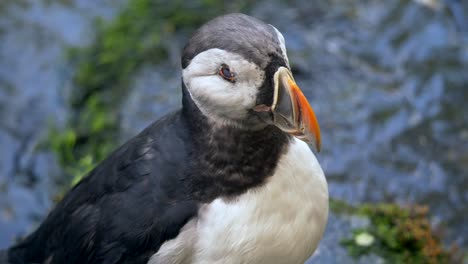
pixel 141 182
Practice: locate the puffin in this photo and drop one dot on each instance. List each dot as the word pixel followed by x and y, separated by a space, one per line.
pixel 227 178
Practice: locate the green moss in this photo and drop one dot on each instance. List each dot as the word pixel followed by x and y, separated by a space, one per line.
pixel 395 233
pixel 141 34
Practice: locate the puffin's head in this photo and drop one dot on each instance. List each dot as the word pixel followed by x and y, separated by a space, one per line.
pixel 236 71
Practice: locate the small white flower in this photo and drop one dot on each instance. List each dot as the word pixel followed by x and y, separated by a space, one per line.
pixel 364 239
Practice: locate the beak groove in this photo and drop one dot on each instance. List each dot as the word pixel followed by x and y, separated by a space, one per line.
pixel 292 112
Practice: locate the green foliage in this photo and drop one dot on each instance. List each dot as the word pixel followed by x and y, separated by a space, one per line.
pixel 143 33
pixel 398 235
pixel 79 147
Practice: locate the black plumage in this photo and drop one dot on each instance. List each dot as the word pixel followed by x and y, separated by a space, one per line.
pixel 125 208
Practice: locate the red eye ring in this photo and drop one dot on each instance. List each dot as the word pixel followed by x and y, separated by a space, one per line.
pixel 226 73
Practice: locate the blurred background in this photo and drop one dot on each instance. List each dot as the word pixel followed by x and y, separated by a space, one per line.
pixel 388 81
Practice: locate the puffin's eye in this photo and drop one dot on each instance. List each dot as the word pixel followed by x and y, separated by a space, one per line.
pixel 226 73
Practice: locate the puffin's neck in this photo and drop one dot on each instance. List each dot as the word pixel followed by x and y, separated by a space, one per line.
pixel 229 160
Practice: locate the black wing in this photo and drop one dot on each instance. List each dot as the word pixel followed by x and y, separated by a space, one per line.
pixel 125 208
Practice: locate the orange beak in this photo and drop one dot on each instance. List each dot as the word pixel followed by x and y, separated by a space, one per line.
pixel 292 112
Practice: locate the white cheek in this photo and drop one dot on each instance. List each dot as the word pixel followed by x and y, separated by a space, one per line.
pixel 211 91
pixel 219 98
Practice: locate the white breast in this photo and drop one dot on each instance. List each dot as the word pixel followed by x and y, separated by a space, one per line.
pixel 280 222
